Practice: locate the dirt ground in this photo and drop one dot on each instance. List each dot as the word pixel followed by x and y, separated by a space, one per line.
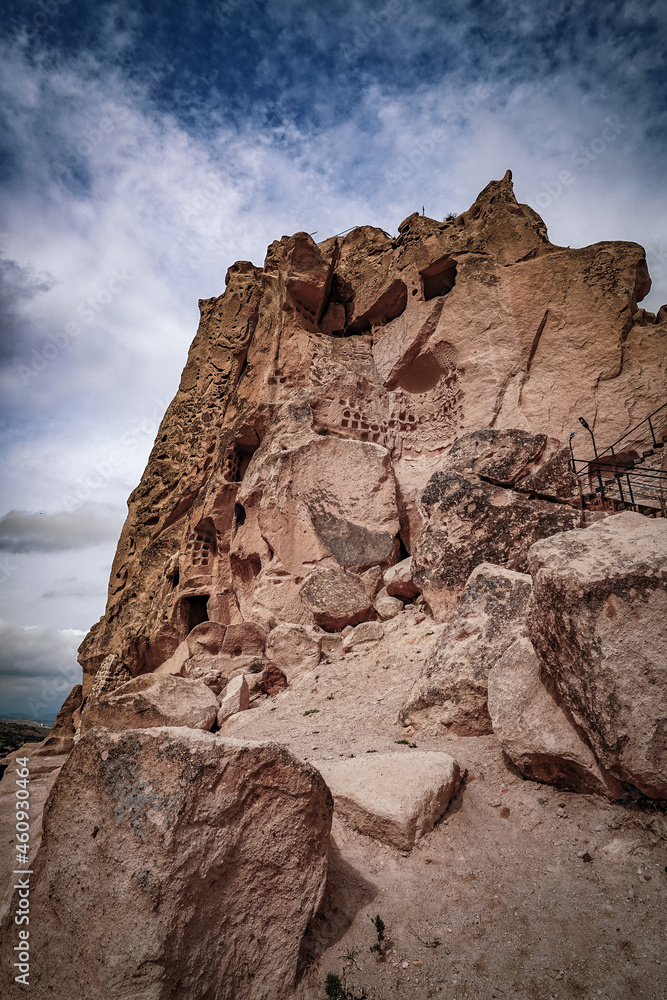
pixel 522 890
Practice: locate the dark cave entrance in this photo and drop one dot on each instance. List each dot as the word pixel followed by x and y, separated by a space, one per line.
pixel 196 610
pixel 438 278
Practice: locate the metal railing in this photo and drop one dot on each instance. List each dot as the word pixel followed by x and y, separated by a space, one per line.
pixel 619 477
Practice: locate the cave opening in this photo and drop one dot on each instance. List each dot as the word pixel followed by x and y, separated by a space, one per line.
pixel 438 278
pixel 196 610
pixel 238 458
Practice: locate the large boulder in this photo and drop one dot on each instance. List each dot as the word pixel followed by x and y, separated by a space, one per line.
pixel 181 861
pixel 151 700
pixel 598 621
pixel 244 639
pixel 235 698
pixel 336 598
pixel 534 730
pixel 386 606
pixel 294 648
pixel 43 773
pixel 364 636
pixel 451 692
pixel 531 463
pixel 394 797
pixel 467 521
pixel 398 580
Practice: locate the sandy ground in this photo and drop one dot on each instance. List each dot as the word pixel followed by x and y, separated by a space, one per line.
pixel 500 900
pixel 504 898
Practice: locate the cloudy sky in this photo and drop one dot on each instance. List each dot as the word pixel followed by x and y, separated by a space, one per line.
pixel 145 147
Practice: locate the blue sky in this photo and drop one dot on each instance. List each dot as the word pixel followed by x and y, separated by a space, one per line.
pixel 145 147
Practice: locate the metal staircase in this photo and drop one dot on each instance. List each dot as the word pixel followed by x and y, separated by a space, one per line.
pixel 630 474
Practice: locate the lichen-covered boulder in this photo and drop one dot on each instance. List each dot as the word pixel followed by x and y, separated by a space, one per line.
pixel 598 622
pixel 467 521
pixel 171 856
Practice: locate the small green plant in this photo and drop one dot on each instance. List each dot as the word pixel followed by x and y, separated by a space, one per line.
pixel 450 217
pixel 317 677
pixel 379 946
pixel 335 990
pixel 330 697
pixel 311 711
pixel 333 987
pixel 351 956
pixel 406 743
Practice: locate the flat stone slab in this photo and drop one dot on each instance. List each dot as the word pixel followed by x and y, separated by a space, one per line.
pixel 394 797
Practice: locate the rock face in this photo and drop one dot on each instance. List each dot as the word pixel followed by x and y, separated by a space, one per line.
pixel 111 675
pixel 451 693
pixel 61 736
pixel 198 860
pixel 153 701
pixel 598 621
pixel 323 391
pixel 534 730
pixel 394 797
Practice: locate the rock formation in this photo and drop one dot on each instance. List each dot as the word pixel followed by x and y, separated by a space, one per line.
pixel 395 798
pixel 535 731
pixel 322 394
pixel 598 622
pixel 359 511
pixel 451 693
pixel 172 856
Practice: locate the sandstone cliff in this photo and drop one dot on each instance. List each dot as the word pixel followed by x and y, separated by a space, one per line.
pixel 323 390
